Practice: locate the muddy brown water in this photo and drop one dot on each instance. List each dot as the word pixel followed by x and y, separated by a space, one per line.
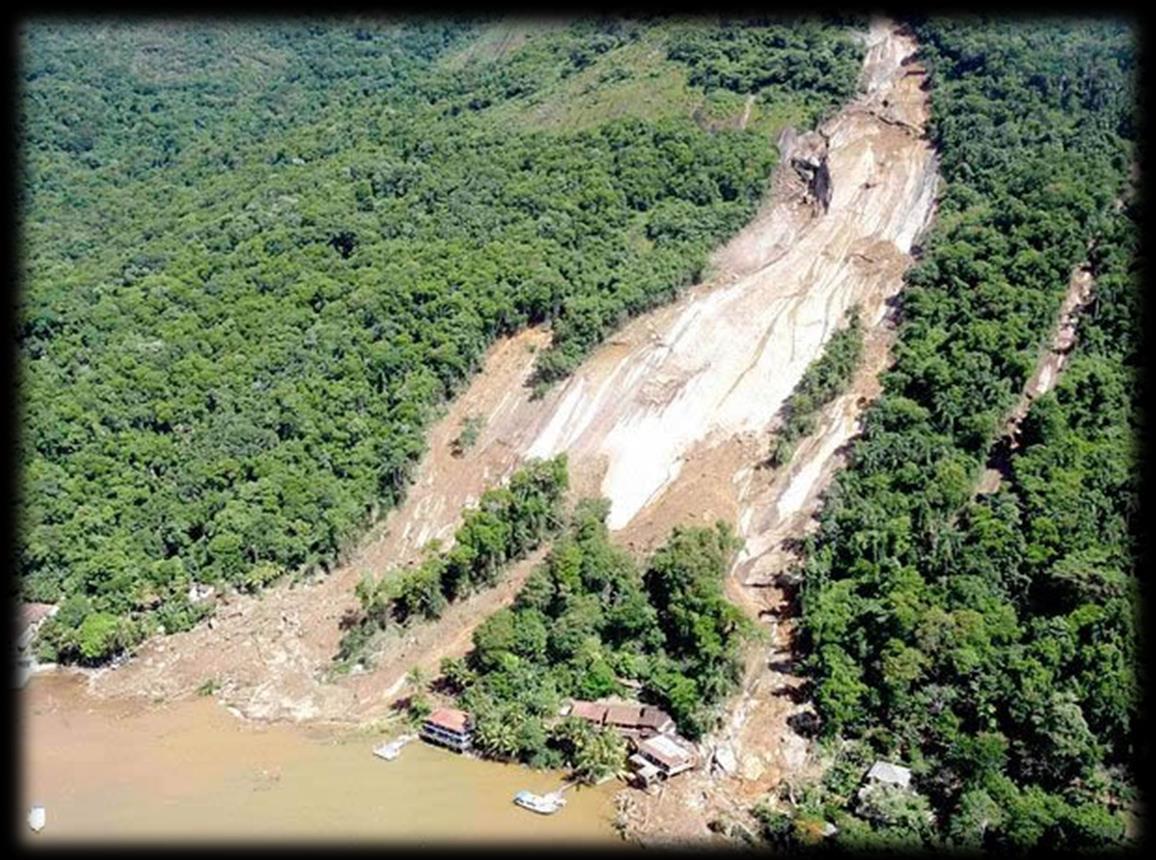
pixel 189 770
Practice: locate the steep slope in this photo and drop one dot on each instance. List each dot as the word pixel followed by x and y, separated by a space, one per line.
pixel 989 644
pixel 693 382
pixel 719 363
pixel 764 736
pixel 260 258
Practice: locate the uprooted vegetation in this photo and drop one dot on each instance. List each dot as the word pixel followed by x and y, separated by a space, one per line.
pixel 472 426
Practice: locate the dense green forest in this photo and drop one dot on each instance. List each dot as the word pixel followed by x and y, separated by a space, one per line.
pixel 257 257
pixel 589 619
pixel 990 643
pixel 770 58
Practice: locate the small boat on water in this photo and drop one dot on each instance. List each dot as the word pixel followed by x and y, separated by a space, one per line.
pixel 36 818
pixel 390 751
pixel 545 804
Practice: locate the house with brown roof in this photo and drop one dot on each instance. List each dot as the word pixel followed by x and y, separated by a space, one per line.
pixel 659 752
pixel 593 712
pixel 448 727
pixel 631 719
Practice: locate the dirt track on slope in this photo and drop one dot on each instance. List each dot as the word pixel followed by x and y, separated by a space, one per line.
pixel 1043 379
pixel 665 419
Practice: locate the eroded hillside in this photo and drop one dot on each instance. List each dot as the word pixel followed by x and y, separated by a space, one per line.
pixel 663 419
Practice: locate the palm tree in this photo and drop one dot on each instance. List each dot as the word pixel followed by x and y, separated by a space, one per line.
pixel 417 679
pixel 604 754
pixel 496 735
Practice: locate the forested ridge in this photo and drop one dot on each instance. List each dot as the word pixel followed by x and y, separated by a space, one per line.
pixel 990 644
pixel 257 258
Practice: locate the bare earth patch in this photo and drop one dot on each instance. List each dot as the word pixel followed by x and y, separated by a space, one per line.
pixel 667 420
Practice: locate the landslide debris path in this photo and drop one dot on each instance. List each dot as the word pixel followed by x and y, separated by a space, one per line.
pixel 764 737
pixel 1043 379
pixel 665 419
pixel 719 362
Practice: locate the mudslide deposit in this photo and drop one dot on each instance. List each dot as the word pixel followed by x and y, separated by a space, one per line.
pixel 665 419
pixel 762 739
pixel 720 362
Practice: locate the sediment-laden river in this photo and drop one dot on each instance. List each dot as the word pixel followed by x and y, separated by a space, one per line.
pixel 189 770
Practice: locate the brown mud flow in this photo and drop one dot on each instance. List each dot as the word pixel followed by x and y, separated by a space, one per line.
pixel 882 178
pixel 666 420
pixel 188 770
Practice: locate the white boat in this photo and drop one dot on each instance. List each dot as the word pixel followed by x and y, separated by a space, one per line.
pixel 545 804
pixel 390 751
pixel 36 818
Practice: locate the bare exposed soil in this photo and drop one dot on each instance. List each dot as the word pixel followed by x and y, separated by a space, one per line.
pixel 745 118
pixel 666 420
pixel 765 732
pixel 765 728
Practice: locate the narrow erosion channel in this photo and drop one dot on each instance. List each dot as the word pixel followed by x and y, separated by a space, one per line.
pixel 1081 288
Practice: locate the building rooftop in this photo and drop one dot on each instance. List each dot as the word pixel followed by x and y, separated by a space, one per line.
pixel 624 715
pixel 588 711
pixel 450 719
pixel 644 767
pixel 654 718
pixel 666 750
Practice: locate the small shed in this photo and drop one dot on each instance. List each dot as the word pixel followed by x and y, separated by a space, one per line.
pixel 644 769
pixel 667 754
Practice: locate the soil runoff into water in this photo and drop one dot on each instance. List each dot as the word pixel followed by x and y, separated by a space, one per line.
pixel 667 419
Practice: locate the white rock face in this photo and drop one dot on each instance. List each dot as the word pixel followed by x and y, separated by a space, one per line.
pixel 37 818
pixel 722 360
pixel 726 760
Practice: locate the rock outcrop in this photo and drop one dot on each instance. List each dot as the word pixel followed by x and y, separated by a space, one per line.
pixel 807 155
